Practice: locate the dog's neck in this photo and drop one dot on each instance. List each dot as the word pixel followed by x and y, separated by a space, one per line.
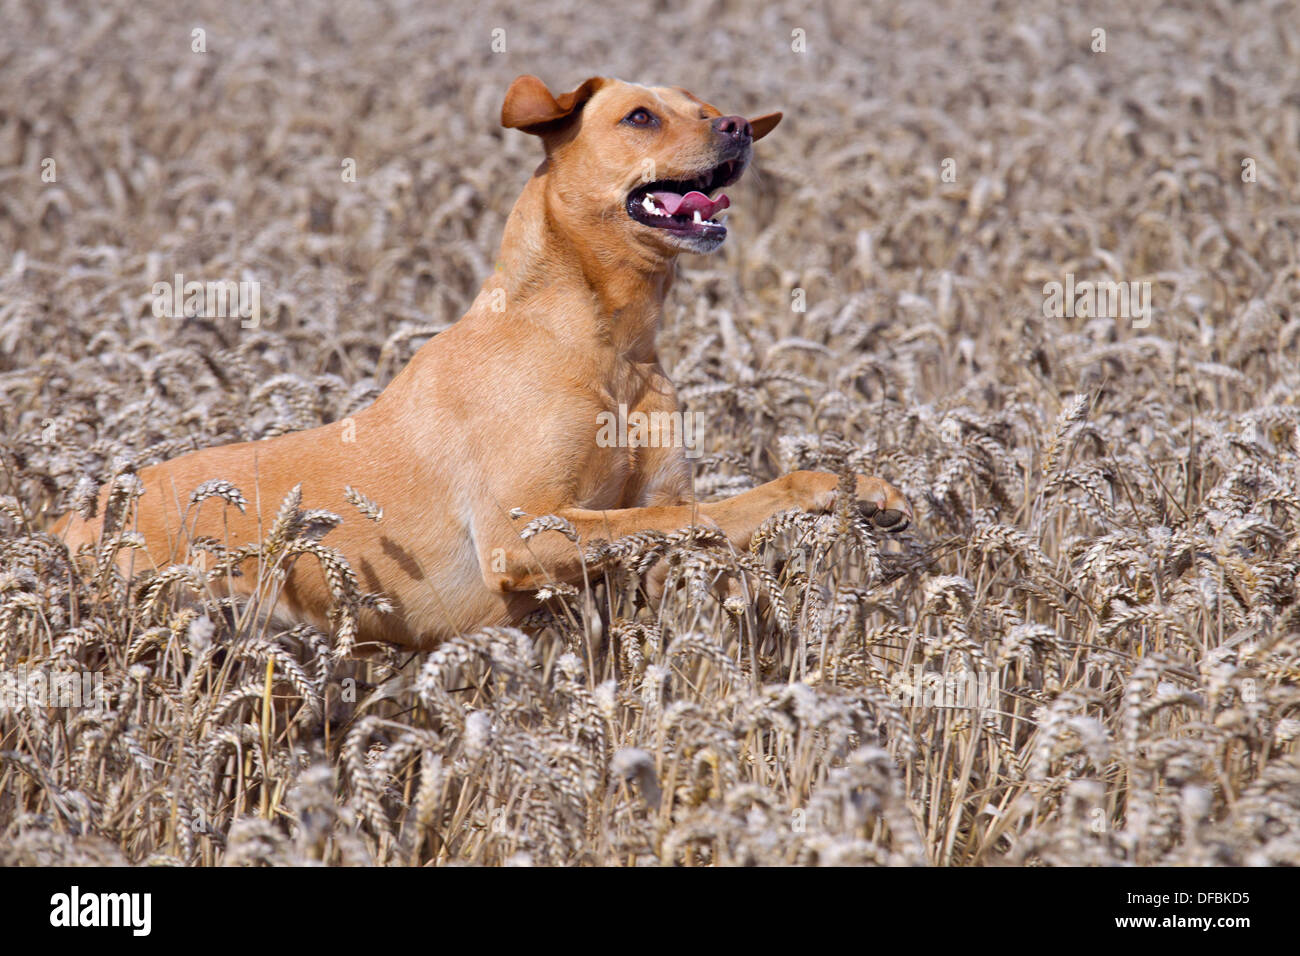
pixel 611 294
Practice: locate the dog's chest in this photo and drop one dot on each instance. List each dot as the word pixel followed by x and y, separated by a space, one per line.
pixel 609 473
pixel 637 424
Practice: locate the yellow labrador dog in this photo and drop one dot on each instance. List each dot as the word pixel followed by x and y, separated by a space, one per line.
pixel 506 408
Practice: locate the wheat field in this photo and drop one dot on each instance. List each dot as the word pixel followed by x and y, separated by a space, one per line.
pixel 1086 650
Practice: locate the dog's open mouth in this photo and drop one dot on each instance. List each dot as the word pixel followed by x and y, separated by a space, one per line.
pixel 683 206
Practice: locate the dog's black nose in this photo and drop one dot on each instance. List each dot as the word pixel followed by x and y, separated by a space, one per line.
pixel 734 127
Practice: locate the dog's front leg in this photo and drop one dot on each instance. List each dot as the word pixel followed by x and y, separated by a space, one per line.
pixel 510 563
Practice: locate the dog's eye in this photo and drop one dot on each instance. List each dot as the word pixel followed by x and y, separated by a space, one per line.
pixel 640 117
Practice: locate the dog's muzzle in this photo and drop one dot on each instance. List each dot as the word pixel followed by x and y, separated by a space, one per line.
pixel 682 207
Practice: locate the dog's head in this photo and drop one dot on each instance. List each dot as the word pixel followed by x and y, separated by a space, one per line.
pixel 649 161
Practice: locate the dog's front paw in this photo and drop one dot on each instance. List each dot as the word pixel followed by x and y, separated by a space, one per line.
pixel 876 498
pixel 883 504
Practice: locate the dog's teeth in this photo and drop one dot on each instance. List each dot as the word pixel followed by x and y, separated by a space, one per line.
pixel 649 205
pixel 699 220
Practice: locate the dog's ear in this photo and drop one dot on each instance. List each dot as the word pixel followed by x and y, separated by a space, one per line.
pixel 531 107
pixel 764 124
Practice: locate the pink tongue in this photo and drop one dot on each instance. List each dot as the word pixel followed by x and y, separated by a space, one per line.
pixel 691 203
